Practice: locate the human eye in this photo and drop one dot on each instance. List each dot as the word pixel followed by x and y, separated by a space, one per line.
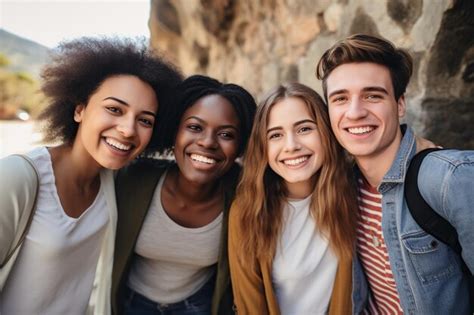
pixel 274 136
pixel 338 99
pixel 194 127
pixel 374 97
pixel 227 135
pixel 113 110
pixel 147 122
pixel 305 129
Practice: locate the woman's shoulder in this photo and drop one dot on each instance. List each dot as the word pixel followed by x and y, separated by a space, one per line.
pixel 143 172
pixel 19 187
pixel 17 170
pixel 147 165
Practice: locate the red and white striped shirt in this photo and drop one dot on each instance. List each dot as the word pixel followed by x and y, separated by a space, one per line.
pixel 373 253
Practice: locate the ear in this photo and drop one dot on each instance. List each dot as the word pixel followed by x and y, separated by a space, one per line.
pixel 79 113
pixel 401 106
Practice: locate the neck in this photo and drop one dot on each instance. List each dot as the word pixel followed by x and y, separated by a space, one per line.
pixel 193 192
pixel 375 166
pixel 300 190
pixel 70 165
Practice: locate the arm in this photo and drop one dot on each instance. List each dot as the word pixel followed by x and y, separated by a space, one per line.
pixel 17 196
pixel 247 285
pixel 446 182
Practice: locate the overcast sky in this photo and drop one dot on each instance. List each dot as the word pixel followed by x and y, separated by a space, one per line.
pixel 50 21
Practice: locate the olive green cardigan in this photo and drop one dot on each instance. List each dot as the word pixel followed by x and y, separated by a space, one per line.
pixel 135 186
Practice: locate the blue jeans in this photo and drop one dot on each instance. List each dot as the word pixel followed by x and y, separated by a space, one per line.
pixel 197 304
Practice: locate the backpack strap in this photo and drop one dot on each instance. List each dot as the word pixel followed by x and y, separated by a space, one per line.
pixel 428 219
pixel 26 215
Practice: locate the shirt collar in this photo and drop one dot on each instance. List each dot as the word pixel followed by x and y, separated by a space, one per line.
pixel 396 173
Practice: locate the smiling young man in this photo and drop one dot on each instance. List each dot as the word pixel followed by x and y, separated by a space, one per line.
pixel 399 267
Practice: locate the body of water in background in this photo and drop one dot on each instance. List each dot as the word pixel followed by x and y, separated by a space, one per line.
pixel 18 136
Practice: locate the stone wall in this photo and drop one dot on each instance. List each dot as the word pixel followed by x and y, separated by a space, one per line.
pixel 260 43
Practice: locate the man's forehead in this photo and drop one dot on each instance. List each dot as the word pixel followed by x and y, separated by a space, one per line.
pixel 358 76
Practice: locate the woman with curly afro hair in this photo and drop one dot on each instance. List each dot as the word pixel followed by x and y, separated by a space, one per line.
pixel 107 97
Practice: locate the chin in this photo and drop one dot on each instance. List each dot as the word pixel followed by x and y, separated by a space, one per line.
pixel 114 165
pixel 294 180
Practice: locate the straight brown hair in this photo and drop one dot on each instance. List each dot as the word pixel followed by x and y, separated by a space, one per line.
pixel 261 193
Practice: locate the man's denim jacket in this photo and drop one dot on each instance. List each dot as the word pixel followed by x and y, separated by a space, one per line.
pixel 427 272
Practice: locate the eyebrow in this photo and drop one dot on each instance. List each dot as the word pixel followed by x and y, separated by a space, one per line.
pixel 126 104
pixel 341 91
pixel 300 122
pixel 365 89
pixel 202 121
pixel 375 89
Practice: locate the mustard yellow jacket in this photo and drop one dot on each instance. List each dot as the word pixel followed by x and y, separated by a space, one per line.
pixel 253 290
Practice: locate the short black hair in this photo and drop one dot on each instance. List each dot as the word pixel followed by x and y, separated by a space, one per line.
pixel 77 69
pixel 198 86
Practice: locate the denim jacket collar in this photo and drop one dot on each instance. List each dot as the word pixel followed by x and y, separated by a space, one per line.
pixel 396 173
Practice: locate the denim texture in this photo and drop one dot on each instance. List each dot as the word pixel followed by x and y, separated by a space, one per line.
pixel 428 273
pixel 199 303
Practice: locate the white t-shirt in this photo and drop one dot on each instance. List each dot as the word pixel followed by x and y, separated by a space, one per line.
pixel 55 269
pixel 304 267
pixel 173 262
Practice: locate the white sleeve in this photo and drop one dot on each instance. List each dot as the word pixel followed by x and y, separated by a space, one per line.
pixel 17 195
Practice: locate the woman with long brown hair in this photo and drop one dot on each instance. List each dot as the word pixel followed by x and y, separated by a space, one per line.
pixel 291 228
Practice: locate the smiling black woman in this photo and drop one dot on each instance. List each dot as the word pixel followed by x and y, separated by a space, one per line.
pixel 177 262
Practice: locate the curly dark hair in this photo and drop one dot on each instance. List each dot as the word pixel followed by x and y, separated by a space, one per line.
pixel 79 67
pixel 198 86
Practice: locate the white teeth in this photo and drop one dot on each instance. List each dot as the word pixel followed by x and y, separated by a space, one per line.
pixel 118 145
pixel 360 130
pixel 202 159
pixel 296 161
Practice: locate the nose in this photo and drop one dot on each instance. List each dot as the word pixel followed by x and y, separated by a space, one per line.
pixel 207 140
pixel 356 109
pixel 126 126
pixel 291 143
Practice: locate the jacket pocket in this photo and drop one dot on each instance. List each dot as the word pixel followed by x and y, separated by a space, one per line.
pixel 433 260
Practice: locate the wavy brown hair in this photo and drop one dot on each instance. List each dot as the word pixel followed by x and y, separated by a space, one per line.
pixel 368 48
pixel 261 193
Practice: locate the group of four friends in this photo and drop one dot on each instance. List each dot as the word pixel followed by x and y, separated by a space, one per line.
pixel 311 220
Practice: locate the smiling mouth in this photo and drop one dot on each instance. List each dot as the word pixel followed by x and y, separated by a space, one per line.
pixel 202 159
pixel 118 145
pixel 360 130
pixel 297 161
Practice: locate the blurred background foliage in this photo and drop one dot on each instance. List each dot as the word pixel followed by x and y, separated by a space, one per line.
pixel 19 92
pixel 20 64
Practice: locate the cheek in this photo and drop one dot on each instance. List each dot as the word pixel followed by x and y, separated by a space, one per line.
pixel 147 136
pixel 271 163
pixel 321 158
pixel 231 152
pixel 272 156
pixel 270 151
pixel 179 141
pixel 332 112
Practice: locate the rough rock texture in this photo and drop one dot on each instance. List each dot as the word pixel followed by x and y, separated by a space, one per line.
pixel 261 43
